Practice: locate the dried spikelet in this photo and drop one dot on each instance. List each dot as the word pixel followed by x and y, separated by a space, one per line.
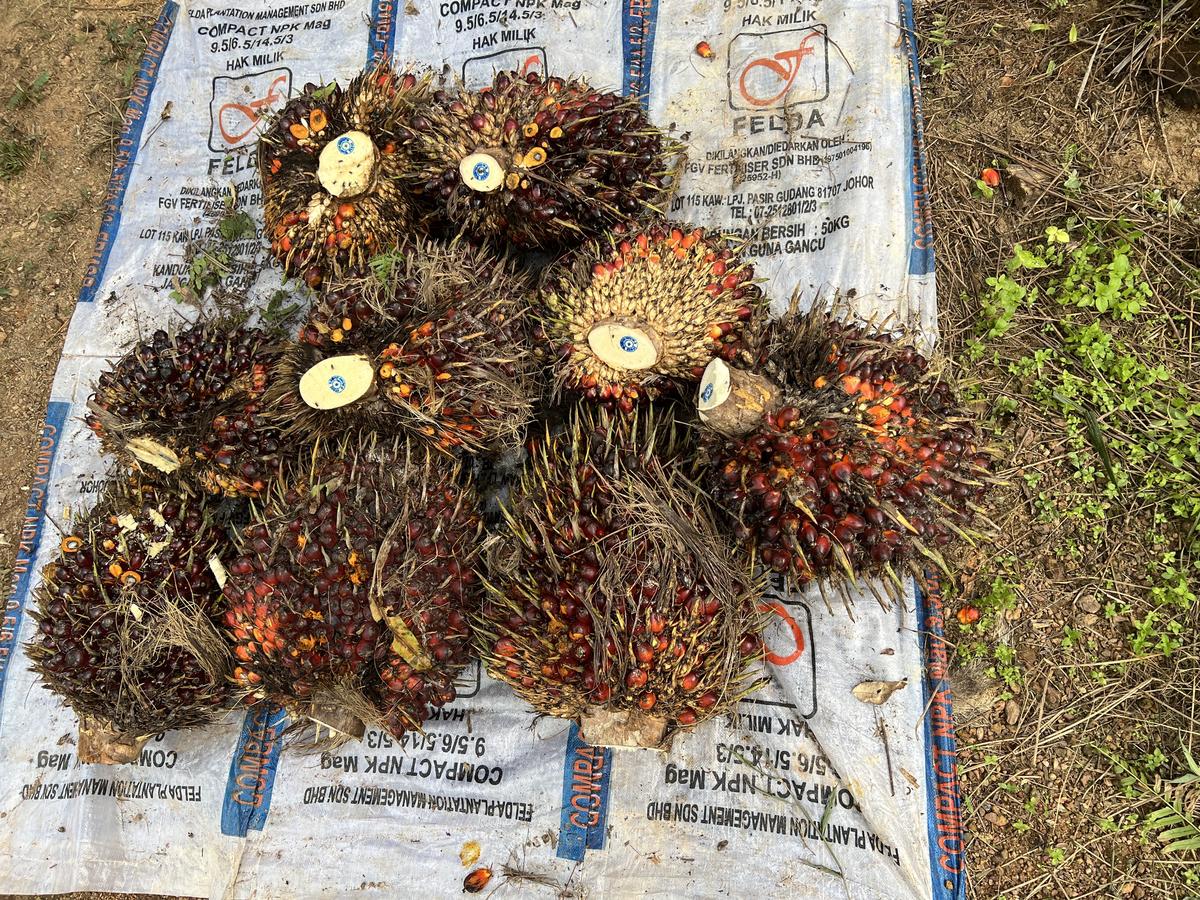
pixel 433 347
pixel 352 598
pixel 125 617
pixel 845 456
pixel 192 401
pixel 329 164
pixel 613 598
pixel 539 162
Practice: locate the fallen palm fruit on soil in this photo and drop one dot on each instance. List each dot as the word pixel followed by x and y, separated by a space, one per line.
pixel 436 348
pixel 845 456
pixel 612 598
pixel 538 162
pixel 645 309
pixel 125 620
pixel 192 401
pixel 329 164
pixel 352 599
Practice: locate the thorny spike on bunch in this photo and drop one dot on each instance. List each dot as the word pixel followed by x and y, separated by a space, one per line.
pixel 846 457
pixel 330 163
pixel 539 162
pixel 356 588
pixel 612 596
pixel 647 308
pixel 192 400
pixel 125 618
pixel 435 347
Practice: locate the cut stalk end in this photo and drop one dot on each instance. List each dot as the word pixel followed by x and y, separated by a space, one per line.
pixel 629 345
pixel 606 727
pixel 347 164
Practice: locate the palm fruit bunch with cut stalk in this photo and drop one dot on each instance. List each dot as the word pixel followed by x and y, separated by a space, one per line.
pixel 643 310
pixel 845 456
pixel 613 599
pixel 434 346
pixel 125 620
pixel 330 163
pixel 192 401
pixel 351 604
pixel 539 162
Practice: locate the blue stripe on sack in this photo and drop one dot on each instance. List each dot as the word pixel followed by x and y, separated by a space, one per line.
pixel 31 535
pixel 638 20
pixel 920 231
pixel 584 797
pixel 947 867
pixel 127 149
pixel 381 43
pixel 252 771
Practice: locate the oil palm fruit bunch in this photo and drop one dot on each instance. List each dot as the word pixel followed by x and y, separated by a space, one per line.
pixel 433 345
pixel 125 619
pixel 613 599
pixel 329 163
pixel 539 162
pixel 643 310
pixel 844 456
pixel 192 400
pixel 352 601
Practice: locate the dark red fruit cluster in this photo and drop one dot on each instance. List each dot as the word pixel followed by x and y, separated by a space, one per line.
pixel 347 317
pixel 168 382
pixel 606 607
pixel 302 617
pixel 197 394
pixel 576 160
pixel 865 469
pixel 139 559
pixel 241 453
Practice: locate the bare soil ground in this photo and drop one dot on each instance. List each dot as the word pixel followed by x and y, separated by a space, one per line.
pixel 1075 689
pixel 1072 728
pixel 68 68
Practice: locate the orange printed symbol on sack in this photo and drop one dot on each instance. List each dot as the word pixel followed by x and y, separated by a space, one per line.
pixel 532 63
pixel 781 70
pixel 794 629
pixel 237 120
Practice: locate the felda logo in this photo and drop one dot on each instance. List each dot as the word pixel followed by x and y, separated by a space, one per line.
pixel 239 105
pixel 790 653
pixel 479 70
pixel 791 648
pixel 780 68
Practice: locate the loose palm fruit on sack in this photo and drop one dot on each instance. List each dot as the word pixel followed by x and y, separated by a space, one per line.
pixel 539 162
pixel 642 311
pixel 351 602
pixel 613 598
pixel 433 346
pixel 126 614
pixel 329 163
pixel 846 455
pixel 192 402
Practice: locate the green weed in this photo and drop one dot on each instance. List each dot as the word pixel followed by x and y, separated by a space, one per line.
pixel 15 156
pixel 1129 420
pixel 29 94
